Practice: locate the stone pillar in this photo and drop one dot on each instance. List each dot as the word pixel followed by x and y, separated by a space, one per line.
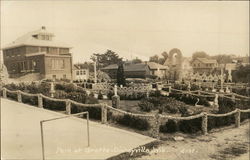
pixel 156 126
pixel 233 97
pixel 4 93
pixel 216 101
pixel 115 101
pixel 52 89
pixel 237 118
pixel 169 88
pixel 204 124
pixel 19 96
pixel 68 106
pixel 40 101
pixel 104 113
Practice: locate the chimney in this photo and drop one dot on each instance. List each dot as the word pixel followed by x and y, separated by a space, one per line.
pixel 43 27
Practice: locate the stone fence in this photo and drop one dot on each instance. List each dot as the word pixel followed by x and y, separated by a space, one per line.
pixel 155 120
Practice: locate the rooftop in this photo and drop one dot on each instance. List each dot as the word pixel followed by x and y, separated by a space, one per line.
pixel 205 60
pixel 39 37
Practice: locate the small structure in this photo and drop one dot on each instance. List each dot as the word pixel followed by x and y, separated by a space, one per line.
pixel 80 72
pixel 204 65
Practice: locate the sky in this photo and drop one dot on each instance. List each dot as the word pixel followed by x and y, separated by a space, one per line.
pixel 133 28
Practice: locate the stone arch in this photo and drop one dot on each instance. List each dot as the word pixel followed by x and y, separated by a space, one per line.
pixel 175 53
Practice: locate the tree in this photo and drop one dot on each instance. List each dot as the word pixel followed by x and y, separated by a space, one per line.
pixel 108 58
pixel 136 60
pixel 157 59
pixel 154 58
pixel 120 75
pixel 200 54
pixel 222 58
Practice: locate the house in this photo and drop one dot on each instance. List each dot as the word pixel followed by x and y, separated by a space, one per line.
pixel 80 72
pixel 139 70
pixel 204 65
pixel 38 53
pixel 157 69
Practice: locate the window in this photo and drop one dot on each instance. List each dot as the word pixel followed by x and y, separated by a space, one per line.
pixel 77 73
pixel 81 72
pixel 57 64
pixel 84 72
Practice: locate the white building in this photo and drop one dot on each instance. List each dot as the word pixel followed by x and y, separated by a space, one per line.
pixel 80 72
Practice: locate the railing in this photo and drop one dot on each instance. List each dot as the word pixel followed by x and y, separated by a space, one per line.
pixel 154 118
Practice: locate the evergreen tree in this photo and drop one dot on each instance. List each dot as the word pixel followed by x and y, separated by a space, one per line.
pixel 120 75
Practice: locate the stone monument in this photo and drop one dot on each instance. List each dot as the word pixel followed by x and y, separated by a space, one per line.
pixel 115 98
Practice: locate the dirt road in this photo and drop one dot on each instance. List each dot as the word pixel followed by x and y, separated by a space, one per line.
pixel 227 144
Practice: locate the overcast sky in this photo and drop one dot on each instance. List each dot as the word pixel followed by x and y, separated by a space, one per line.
pixel 133 29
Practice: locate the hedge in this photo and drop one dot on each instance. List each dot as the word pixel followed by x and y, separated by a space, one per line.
pixel 94 112
pixel 54 105
pixel 32 100
pixel 12 96
pixel 130 121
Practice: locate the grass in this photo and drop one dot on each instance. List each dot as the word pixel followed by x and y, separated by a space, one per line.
pixel 234 150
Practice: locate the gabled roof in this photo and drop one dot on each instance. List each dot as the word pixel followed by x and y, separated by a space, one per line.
pixel 128 67
pixel 205 60
pixel 153 65
pixel 29 39
pixel 80 66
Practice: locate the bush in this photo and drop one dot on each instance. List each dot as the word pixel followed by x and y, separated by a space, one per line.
pixel 145 105
pixel 190 126
pixel 94 112
pixel 32 100
pixel 170 127
pixel 12 96
pixel 133 122
pixel 54 105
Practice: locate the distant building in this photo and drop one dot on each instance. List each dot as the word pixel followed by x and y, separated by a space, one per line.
pixel 139 70
pixel 80 72
pixel 37 52
pixel 204 65
pixel 157 70
pixel 242 60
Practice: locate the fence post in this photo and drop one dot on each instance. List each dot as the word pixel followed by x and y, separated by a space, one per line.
pixel 104 113
pixel 156 126
pixel 40 100
pixel 68 106
pixel 204 123
pixel 4 93
pixel 237 118
pixel 19 96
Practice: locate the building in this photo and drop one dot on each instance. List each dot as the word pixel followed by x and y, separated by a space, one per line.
pixel 157 70
pixel 204 65
pixel 139 70
pixel 38 53
pixel 80 72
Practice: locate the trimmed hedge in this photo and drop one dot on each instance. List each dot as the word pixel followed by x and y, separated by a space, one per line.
pixel 94 112
pixel 32 100
pixel 12 96
pixel 54 105
pixel 130 121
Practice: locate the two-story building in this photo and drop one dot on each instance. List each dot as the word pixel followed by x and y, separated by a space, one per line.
pixel 37 52
pixel 204 65
pixel 80 72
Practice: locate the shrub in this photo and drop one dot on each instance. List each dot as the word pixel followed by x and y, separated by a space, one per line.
pixel 94 112
pixel 190 126
pixel 32 100
pixel 12 96
pixel 145 105
pixel 54 105
pixel 169 127
pixel 133 122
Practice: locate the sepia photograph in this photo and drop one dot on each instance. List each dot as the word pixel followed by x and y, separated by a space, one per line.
pixel 124 80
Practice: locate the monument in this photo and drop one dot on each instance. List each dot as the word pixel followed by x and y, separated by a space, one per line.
pixel 115 98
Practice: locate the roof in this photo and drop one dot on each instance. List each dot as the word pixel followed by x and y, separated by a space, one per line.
pixel 29 40
pixel 80 66
pixel 128 67
pixel 153 65
pixel 205 60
